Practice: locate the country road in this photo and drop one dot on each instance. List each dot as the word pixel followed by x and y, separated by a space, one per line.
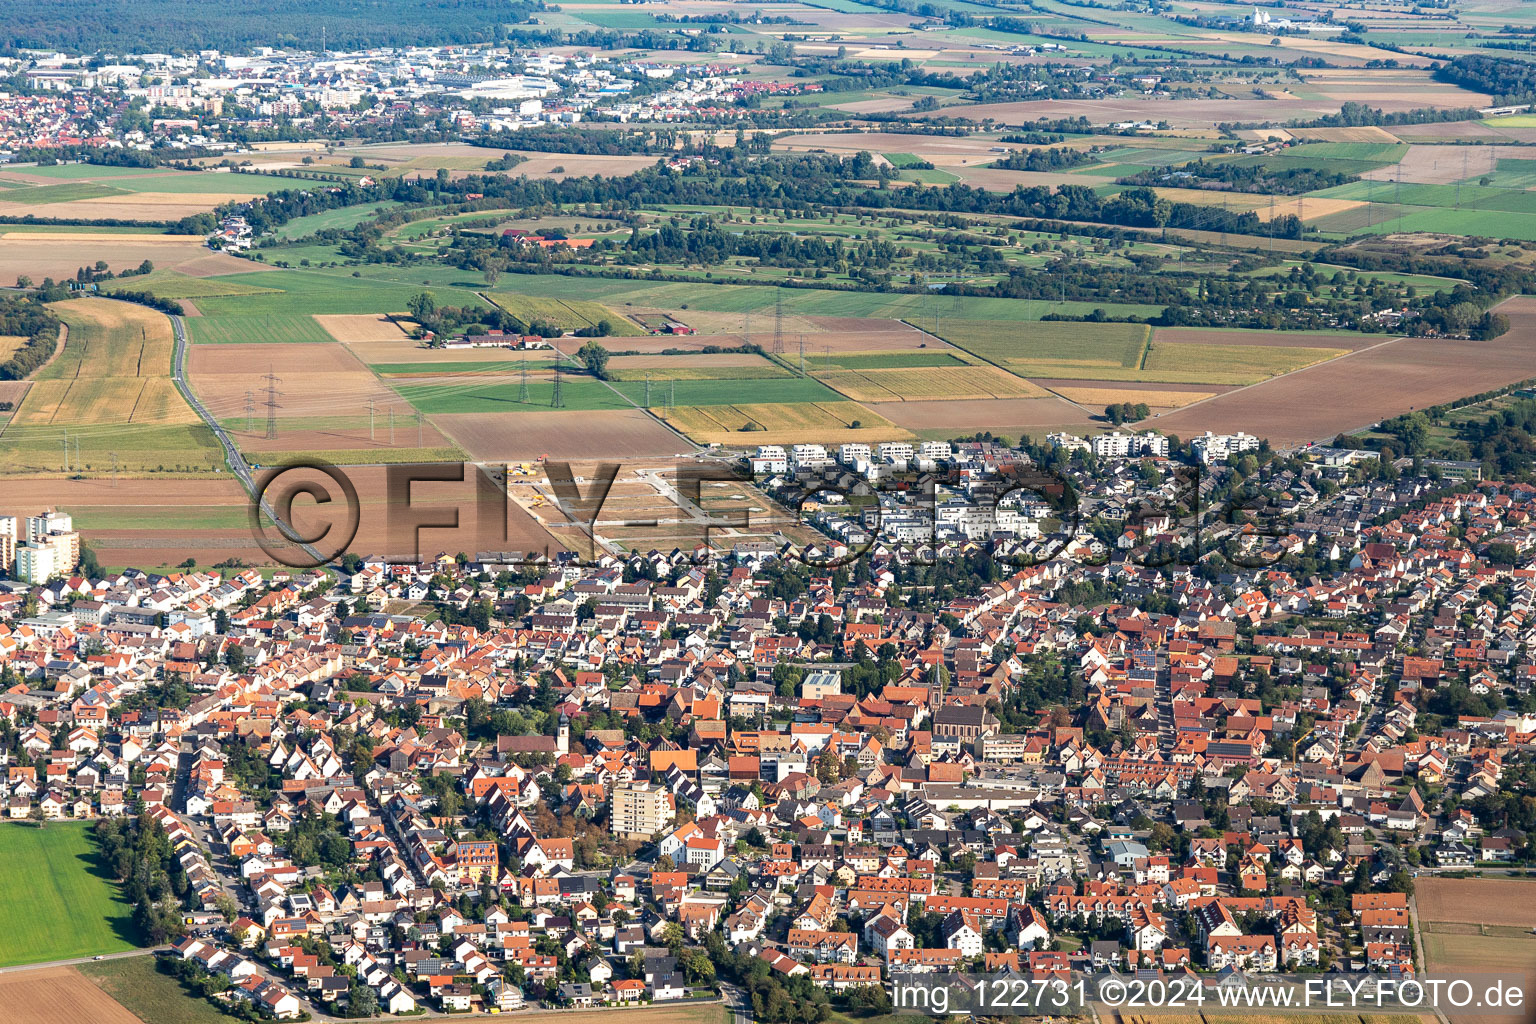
pixel 77 961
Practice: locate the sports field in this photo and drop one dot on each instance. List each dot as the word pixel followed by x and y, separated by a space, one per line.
pixel 60 903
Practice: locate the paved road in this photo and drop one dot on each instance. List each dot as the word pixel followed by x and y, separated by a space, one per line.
pixel 739 1002
pixel 82 960
pixel 232 456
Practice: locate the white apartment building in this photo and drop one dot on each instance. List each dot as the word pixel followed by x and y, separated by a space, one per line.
pixel 770 458
pixel 810 456
pixel 1068 443
pixel 639 809
pixel 1209 447
pixel 1123 446
pixel 896 451
pixel 936 450
pixel 39 563
pixel 7 543
pixel 853 453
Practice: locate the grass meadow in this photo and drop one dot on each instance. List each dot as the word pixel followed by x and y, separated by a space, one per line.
pixel 60 903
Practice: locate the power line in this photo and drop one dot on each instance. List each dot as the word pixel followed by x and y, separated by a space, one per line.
pixel 778 322
pixel 522 386
pixel 558 402
pixel 272 393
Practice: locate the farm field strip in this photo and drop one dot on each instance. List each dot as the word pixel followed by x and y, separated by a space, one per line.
pixel 959 383
pixel 777 424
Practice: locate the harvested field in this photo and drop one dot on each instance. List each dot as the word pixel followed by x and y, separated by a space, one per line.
pixel 929 384
pixel 707 321
pixel 1279 339
pixel 145 206
pixel 214 264
pixel 524 436
pixel 59 256
pixel 1439 165
pixel 12 391
pixel 523 532
pixel 1035 415
pixel 1500 913
pixel 111 387
pixel 1497 901
pixel 786 423
pixel 1361 134
pixel 364 327
pixel 1306 207
pixel 560 166
pixel 324 405
pixel 1095 398
pixel 1363 387
pixel 10 344
pixel 1228 364
pixel 56 994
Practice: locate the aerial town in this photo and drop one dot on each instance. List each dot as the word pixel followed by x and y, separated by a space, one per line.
pixel 822 512
pixel 652 779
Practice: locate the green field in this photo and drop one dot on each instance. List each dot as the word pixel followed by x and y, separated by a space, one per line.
pixel 289 292
pixel 204 182
pixel 63 193
pixel 1052 349
pixel 79 229
pixel 71 172
pixel 1483 223
pixel 883 360
pixel 502 366
pixel 589 394
pixel 170 285
pixel 682 371
pixel 1463 197
pixel 1515 173
pixel 150 995
pixel 567 314
pixel 1340 157
pixel 148 449
pixel 264 329
pixel 341 219
pixel 59 902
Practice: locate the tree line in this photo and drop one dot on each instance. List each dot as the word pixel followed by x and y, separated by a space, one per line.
pixel 27 317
